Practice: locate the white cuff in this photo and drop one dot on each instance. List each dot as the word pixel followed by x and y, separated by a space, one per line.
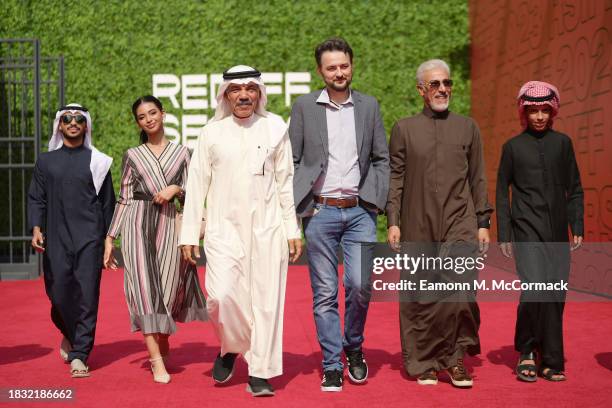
pixel 190 235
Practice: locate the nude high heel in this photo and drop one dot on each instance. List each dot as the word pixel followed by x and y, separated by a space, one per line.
pixel 159 378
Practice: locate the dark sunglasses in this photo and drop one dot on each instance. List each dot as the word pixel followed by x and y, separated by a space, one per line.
pixel 67 118
pixel 435 84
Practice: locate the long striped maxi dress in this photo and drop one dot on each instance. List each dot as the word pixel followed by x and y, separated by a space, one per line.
pixel 160 287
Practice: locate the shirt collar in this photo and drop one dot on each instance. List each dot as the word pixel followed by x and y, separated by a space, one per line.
pixel 536 134
pixel 325 99
pixel 430 113
pixel 244 122
pixel 73 149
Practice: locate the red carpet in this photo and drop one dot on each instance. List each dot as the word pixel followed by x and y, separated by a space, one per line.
pixel 120 376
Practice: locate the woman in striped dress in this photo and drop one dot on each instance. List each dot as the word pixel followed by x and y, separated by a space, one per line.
pixel 160 287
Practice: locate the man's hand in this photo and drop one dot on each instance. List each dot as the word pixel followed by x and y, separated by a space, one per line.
pixel 483 240
pixel 109 259
pixel 38 240
pixel 393 237
pixel 295 249
pixel 577 243
pixel 165 195
pixel 506 248
pixel 191 253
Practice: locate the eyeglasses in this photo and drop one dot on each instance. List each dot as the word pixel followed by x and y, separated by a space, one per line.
pixel 435 84
pixel 80 119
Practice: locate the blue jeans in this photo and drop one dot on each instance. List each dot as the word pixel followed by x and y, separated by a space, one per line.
pixel 329 228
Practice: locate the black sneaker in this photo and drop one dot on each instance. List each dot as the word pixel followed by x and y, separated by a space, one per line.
pixel 224 367
pixel 332 380
pixel 357 367
pixel 260 387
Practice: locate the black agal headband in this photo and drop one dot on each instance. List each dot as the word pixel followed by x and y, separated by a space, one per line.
pixel 73 108
pixel 544 98
pixel 241 74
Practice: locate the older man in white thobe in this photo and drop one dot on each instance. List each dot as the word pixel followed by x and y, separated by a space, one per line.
pixel 242 169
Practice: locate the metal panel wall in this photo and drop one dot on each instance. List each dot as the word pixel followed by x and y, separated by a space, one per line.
pixel 31 89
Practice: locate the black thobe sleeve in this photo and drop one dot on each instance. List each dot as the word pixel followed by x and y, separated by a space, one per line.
pixel 575 195
pixel 107 197
pixel 502 199
pixel 37 199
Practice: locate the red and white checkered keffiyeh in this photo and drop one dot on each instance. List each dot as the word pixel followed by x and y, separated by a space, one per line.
pixel 538 93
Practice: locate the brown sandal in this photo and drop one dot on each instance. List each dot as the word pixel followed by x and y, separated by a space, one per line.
pixel 78 369
pixel 64 349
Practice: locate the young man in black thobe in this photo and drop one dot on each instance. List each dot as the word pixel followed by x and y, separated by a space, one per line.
pixel 539 165
pixel 70 206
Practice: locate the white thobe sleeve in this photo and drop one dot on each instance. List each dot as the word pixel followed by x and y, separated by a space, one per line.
pixel 283 170
pixel 198 182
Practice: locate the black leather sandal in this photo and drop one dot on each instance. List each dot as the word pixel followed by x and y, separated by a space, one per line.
pixel 520 368
pixel 549 374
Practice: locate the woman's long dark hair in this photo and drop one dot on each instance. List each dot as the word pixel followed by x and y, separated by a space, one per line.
pixel 144 99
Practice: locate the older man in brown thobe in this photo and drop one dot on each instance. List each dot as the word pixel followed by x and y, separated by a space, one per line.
pixel 438 195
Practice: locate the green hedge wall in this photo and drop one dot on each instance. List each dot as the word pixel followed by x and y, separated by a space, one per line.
pixel 112 48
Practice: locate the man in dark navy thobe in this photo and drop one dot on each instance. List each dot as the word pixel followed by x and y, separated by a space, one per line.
pixel 70 206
